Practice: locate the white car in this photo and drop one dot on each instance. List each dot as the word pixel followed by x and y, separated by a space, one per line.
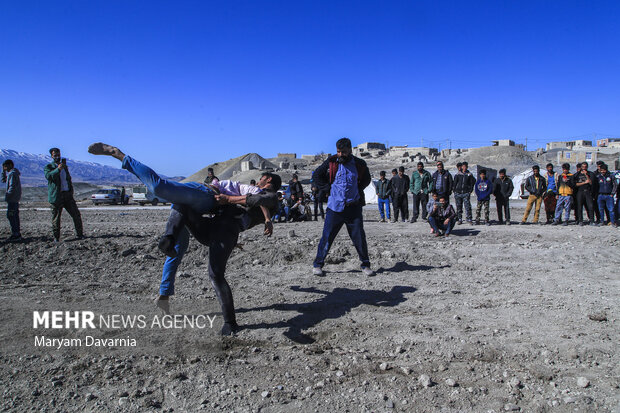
pixel 142 197
pixel 107 196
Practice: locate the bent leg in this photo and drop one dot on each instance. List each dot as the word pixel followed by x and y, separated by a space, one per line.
pixel 433 224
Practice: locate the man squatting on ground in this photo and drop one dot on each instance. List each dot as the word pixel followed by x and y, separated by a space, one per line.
pixel 60 194
pixel 10 175
pixel 442 217
pixel 220 231
pixel 346 176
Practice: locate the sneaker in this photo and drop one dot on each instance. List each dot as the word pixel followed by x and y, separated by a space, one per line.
pixel 368 272
pixel 522 223
pixel 554 223
pixel 614 225
pixel 470 222
pixel 446 235
pixel 166 245
pixel 229 329
pixel 382 220
pixel 508 223
pixel 581 224
pixel 592 223
pixel 487 223
pixel 413 221
pixel 459 223
pixel 600 224
pixel 317 271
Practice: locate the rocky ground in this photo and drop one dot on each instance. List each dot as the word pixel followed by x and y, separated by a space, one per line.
pixel 520 318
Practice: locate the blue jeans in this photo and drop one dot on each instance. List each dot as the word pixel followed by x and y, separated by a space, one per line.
pixel 384 203
pixel 352 218
pixel 12 213
pixel 438 224
pixel 166 287
pixel 196 196
pixel 606 201
pixel 564 204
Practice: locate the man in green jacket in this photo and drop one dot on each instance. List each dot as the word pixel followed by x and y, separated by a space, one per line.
pixel 60 194
pixel 420 187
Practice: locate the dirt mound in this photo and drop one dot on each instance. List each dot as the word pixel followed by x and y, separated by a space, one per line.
pixel 503 156
pixel 226 169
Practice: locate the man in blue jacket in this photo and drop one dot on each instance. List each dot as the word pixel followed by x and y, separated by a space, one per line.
pixel 10 175
pixel 346 176
pixel 484 189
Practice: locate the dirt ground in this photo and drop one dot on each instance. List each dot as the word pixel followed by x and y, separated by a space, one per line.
pixel 520 318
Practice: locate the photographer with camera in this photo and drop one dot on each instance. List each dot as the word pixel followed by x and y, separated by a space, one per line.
pixel 60 194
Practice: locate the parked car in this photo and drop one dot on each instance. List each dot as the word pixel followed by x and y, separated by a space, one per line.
pixel 142 196
pixel 107 196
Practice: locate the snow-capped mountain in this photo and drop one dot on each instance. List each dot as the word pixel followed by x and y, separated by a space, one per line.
pixel 31 168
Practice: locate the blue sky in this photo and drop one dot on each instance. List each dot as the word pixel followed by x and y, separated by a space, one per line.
pixel 182 84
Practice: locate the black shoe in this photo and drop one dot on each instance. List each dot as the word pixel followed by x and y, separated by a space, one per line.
pixel 229 329
pixel 565 223
pixel 166 245
pixel 487 223
pixel 555 223
pixel 413 221
pixel 581 224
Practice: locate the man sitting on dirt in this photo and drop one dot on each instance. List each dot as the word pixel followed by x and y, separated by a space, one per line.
pixel 220 232
pixel 442 217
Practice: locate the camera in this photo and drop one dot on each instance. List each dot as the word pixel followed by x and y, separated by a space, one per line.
pixel 63 161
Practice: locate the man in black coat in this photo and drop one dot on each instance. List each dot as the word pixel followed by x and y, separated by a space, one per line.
pixel 442 181
pixel 400 189
pixel 502 189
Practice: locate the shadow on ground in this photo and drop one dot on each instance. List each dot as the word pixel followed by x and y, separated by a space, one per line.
pixel 402 266
pixel 334 304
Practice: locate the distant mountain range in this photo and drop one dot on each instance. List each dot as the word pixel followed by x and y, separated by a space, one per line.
pixel 31 168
